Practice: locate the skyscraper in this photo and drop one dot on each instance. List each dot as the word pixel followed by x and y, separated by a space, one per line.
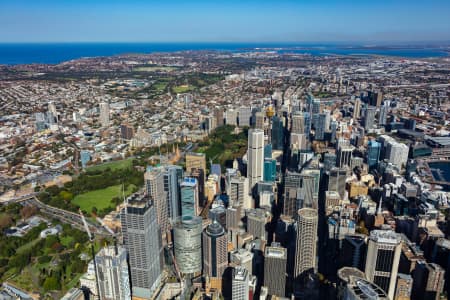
pixel 154 187
pixel 245 114
pixel 255 167
pixel 257 220
pixel 196 161
pixel 383 256
pixel 275 259
pixel 321 126
pixel 292 182
pixel 336 180
pixel 112 274
pixel 344 156
pixel 270 169
pixel 373 153
pixel 428 281
pixel 306 241
pixel 189 197
pixel 357 108
pixel 141 237
pixel 104 114
pixel 369 117
pixel 240 284
pixel 354 249
pixel 215 252
pixel 187 241
pixel 239 192
pixel 172 179
pixel 277 133
pixel 298 123
pixel 384 110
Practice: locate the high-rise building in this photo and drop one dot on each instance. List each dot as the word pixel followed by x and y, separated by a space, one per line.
pixel 428 281
pixel 332 199
pixel 239 192
pixel 231 117
pixel 154 187
pixel 369 117
pixel 187 242
pixel 240 284
pixel 354 249
pixel 104 114
pixel 196 161
pixel 142 240
pixel 357 108
pixel 172 178
pixel 189 197
pixel 333 128
pixel 404 287
pixel 199 175
pixel 270 169
pixel 441 256
pixel 397 153
pixel 215 252
pixel 383 256
pixel 306 241
pixel 358 288
pixel 278 135
pixel 373 153
pixel 233 217
pixel 375 98
pixel 344 156
pixel 298 123
pixel 245 114
pixel 112 273
pixel 255 166
pixel 257 222
pixel 321 126
pixel 218 114
pixel 52 113
pixel 336 180
pixel 259 120
pixel 126 132
pixel 309 189
pixel 384 110
pixel 275 259
pixel 292 182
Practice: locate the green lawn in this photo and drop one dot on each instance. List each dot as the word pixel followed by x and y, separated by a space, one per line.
pixel 182 89
pixel 114 165
pixel 27 246
pixel 100 198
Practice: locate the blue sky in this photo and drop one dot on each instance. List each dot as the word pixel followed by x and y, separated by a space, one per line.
pixel 224 21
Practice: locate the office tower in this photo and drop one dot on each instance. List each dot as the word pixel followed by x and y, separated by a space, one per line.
pixel 104 114
pixel 255 166
pixel 357 108
pixel 52 113
pixel 245 114
pixel 354 250
pixel 268 151
pixel 216 169
pixel 196 161
pixel 172 178
pixel 336 180
pixel 154 187
pixel 373 153
pixel 199 174
pixel 126 132
pixel 410 124
pixel 329 161
pixel 441 256
pixel 112 273
pixel 218 212
pixel 333 127
pixel 316 106
pixel 321 126
pixel 218 114
pixel 369 117
pixel 231 117
pixel 309 189
pixel 259 120
pixel 275 259
pixel 141 237
pixel 292 182
pixel 278 136
pixel 332 199
pixel 242 257
pixel 189 197
pixel 210 123
pixel 344 156
pixel 428 281
pixel 375 98
pixel 306 241
pixel 239 192
pixel 187 243
pixel 397 153
pixel 404 287
pixel 233 217
pixel 257 222
pixel 215 252
pixel 298 123
pixel 240 284
pixel 266 199
pixel 270 169
pixel 383 256
pixel 384 110
pixel 358 288
pixel 356 162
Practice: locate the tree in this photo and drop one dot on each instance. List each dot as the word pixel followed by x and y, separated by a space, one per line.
pixel 51 284
pixel 5 221
pixel 28 211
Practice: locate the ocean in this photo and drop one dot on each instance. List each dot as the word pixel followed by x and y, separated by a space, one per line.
pixel 54 53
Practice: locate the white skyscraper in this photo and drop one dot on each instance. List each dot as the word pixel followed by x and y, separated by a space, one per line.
pixel 112 273
pixel 306 241
pixel 255 166
pixel 104 114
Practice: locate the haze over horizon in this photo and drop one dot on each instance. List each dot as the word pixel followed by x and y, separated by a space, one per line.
pixel 231 21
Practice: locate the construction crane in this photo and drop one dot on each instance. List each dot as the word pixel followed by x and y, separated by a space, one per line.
pixel 91 240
